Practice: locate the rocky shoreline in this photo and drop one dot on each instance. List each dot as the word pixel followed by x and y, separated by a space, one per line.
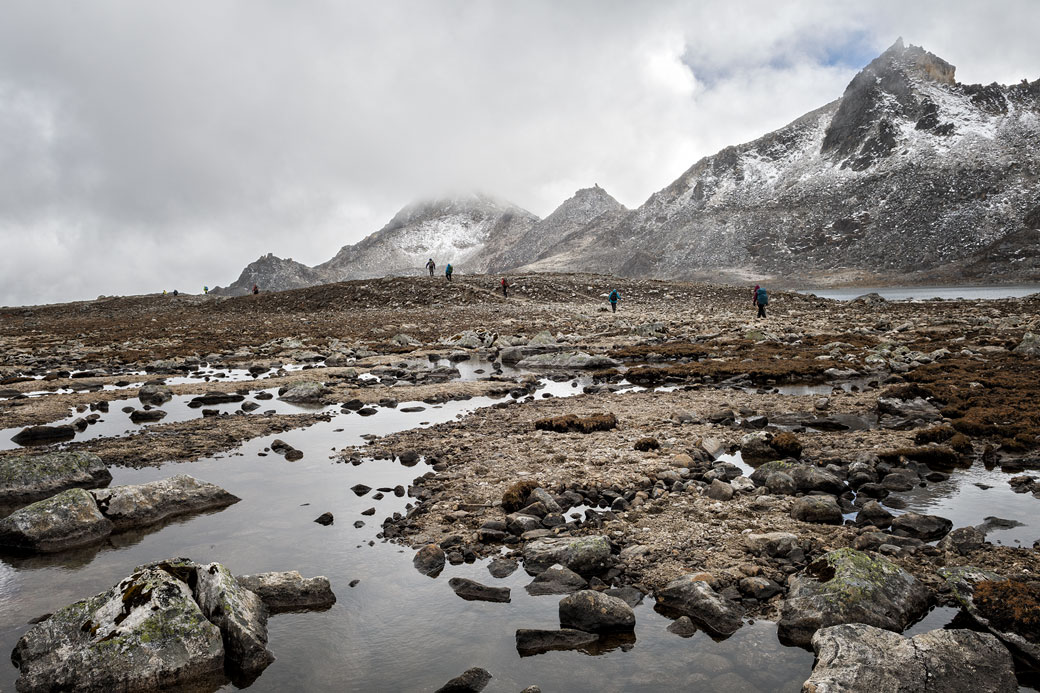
pixel 727 467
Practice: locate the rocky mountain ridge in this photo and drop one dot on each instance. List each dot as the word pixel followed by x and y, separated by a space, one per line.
pixel 909 177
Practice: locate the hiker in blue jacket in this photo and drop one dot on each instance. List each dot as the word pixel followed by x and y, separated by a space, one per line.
pixel 447 272
pixel 761 300
pixel 614 297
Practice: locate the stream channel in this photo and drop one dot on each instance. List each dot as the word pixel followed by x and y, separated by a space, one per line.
pixel 393 629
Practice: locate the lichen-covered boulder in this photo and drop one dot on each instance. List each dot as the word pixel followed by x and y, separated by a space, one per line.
pixel 595 612
pixel 290 591
pixel 308 392
pixel 26 478
pixel 1009 609
pixel 239 613
pixel 691 596
pixel 583 555
pixel 849 586
pixel 63 521
pixel 146 504
pixel 858 657
pixel 144 634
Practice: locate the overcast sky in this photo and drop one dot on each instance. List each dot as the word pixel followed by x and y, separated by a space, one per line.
pixel 148 146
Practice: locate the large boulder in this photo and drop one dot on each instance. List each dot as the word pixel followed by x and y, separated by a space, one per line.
pixel 693 597
pixel 1029 346
pixel 556 580
pixel 817 509
pixel 239 614
pixel 567 360
pixel 858 657
pixel 26 478
pixel 290 591
pixel 809 479
pixel 308 392
pixel 595 612
pixel 584 555
pixel 849 586
pixel 154 394
pixel 39 435
pixel 903 414
pixel 144 634
pixel 63 521
pixel 146 504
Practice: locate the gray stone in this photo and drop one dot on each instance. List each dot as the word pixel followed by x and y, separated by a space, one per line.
pixel 858 657
pixel 873 514
pixel 849 586
pixel 154 394
pixel 771 544
pixel 147 415
pixel 308 392
pixel 239 614
pixel 290 591
pixel 26 478
pixel 963 540
pixel 628 594
pixel 429 560
pixel 145 633
pixel 44 434
pixel 719 490
pixel 540 495
pixel 567 360
pixel 473 591
pixel 683 626
pixel 818 510
pixel 759 588
pixel 556 580
pixel 809 479
pixel 63 521
pixel 583 555
pixel 595 612
pixel 502 567
pixel 146 504
pixel 707 608
pixel 923 527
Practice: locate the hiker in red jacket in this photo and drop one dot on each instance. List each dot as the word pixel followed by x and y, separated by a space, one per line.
pixel 505 288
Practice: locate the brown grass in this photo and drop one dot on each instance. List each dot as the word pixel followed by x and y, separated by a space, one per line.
pixel 516 495
pixel 571 423
pixel 786 444
pixel 1011 605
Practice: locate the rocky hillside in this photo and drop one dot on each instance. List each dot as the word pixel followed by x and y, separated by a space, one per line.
pixel 271 273
pixel 908 176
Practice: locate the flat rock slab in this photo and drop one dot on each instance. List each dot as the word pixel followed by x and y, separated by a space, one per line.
pixel 64 521
pixel 470 681
pixel 290 591
pixel 556 580
pixel 849 586
pixel 858 657
pixel 534 641
pixel 27 478
pixel 146 504
pixel 305 393
pixel 38 435
pixel 470 590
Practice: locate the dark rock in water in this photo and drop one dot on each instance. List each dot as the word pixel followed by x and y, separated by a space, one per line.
pixel 471 681
pixel 325 519
pixel 36 435
pixel 595 612
pixel 263 396
pixel 695 598
pixel 63 521
pixel 683 627
pixel 873 514
pixel 817 509
pixel 471 590
pixel 367 411
pixel 923 527
pixel 429 560
pixel 140 505
pixel 217 398
pixel 27 478
pixel 358 524
pixel 502 567
pixel 991 523
pixel 249 406
pixel 759 588
pixel 154 394
pixel 848 586
pixel 353 405
pixel 147 415
pixel 556 580
pixel 360 489
pixel 207 413
pixel 290 591
pixel 533 641
pixel 293 455
pixel 369 511
pixel 628 594
pixel 858 657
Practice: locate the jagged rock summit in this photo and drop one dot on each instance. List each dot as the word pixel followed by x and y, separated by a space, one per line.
pixel 908 177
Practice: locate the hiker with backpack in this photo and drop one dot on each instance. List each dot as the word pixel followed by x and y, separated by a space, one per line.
pixel 614 297
pixel 256 289
pixel 505 288
pixel 761 299
pixel 431 265
pixel 447 272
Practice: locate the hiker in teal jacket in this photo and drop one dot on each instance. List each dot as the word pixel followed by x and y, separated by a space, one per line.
pixel 761 300
pixel 447 272
pixel 614 297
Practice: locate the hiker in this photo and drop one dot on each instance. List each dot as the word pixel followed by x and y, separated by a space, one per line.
pixel 431 265
pixel 256 289
pixel 175 293
pixel 614 297
pixel 447 272
pixel 505 288
pixel 205 290
pixel 761 300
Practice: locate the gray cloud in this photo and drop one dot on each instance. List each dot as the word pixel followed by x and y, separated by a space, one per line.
pixel 146 146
